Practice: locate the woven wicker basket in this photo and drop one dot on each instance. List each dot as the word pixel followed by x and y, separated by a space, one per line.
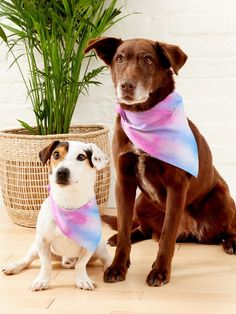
pixel 23 178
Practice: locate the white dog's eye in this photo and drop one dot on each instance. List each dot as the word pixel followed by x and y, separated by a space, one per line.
pixel 81 157
pixel 56 155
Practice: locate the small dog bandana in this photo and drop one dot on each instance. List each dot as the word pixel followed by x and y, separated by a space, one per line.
pixel 164 133
pixel 82 225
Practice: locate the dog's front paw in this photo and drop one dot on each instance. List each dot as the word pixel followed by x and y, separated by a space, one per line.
pixel 115 274
pixel 158 277
pixel 39 284
pixel 85 284
pixel 229 245
pixel 11 269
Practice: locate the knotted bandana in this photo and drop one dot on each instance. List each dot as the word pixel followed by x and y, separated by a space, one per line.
pixel 82 225
pixel 164 133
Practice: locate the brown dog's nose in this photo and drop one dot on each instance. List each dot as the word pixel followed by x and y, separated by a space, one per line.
pixel 128 86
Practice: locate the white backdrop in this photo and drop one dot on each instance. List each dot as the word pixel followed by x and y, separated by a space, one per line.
pixel 206 31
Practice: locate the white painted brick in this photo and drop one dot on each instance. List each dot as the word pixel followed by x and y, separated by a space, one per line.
pixel 13 93
pixel 218 88
pixel 7 72
pixel 202 111
pixel 209 6
pixel 159 29
pixel 219 133
pixel 153 7
pixel 197 25
pixel 208 45
pixel 210 89
pixel 135 25
pixel 153 27
pixel 222 67
pixel 189 88
pixel 233 21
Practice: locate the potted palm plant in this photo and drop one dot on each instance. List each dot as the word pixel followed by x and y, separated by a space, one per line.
pixel 53 35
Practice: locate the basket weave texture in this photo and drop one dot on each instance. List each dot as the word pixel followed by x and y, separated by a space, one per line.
pixel 23 179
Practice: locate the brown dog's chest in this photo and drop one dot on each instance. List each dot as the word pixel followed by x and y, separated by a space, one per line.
pixel 147 170
pixel 148 181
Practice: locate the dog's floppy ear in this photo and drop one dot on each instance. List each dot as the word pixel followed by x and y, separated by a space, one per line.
pixel 172 55
pixel 45 153
pixel 105 48
pixel 97 158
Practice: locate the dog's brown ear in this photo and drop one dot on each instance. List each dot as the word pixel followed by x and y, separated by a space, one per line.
pixel 105 48
pixel 173 55
pixel 46 153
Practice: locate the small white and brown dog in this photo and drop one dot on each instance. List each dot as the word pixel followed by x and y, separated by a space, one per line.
pixel 71 179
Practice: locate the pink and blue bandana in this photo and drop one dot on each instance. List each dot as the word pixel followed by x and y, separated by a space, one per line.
pixel 164 133
pixel 82 225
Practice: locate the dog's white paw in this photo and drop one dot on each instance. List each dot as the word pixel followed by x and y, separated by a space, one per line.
pixel 39 284
pixel 85 284
pixel 11 269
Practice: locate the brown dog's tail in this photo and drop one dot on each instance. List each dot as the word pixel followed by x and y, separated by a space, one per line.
pixel 112 222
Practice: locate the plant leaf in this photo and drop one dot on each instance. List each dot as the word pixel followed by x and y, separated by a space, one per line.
pixel 3 35
pixel 13 30
pixel 16 59
pixel 90 75
pixel 27 127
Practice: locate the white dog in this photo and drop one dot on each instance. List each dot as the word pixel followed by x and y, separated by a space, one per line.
pixel 68 224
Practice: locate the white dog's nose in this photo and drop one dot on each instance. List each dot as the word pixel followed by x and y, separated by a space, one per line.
pixel 63 175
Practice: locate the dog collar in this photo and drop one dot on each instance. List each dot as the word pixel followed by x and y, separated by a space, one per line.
pixel 82 225
pixel 164 133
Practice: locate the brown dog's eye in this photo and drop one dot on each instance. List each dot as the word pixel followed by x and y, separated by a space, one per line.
pixel 56 155
pixel 148 59
pixel 119 58
pixel 81 157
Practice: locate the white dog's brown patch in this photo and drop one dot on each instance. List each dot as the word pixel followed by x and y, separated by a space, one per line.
pixel 59 154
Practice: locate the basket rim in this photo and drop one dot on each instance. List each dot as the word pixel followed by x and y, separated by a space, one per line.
pixel 13 133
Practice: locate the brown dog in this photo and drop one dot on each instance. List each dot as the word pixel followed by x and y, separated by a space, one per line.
pixel 173 205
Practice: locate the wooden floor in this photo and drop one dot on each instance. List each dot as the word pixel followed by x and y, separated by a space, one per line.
pixel 203 281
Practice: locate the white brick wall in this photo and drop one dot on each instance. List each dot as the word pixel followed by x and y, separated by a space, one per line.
pixel 206 31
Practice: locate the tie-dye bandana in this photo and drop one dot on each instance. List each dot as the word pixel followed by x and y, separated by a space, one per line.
pixel 164 133
pixel 82 225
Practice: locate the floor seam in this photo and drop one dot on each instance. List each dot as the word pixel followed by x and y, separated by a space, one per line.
pixel 49 305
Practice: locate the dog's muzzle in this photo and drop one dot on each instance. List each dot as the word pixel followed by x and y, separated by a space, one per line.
pixel 62 176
